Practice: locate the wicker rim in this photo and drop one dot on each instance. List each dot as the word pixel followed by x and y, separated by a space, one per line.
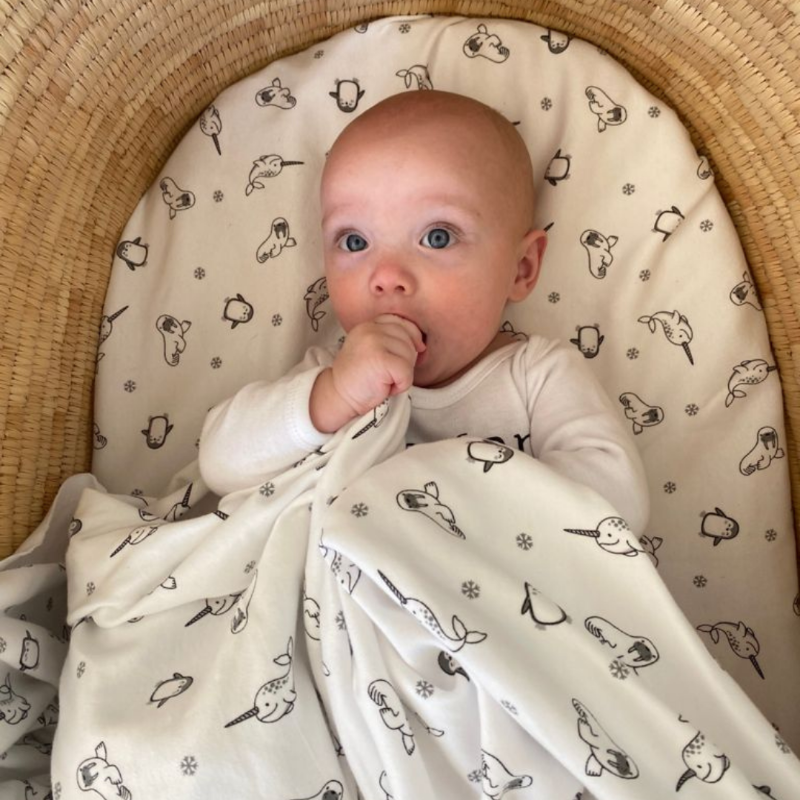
pixel 96 93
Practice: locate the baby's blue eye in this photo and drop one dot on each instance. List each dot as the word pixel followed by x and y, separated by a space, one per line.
pixel 353 243
pixel 437 238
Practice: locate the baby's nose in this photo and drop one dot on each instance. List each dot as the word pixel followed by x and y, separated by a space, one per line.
pixel 390 277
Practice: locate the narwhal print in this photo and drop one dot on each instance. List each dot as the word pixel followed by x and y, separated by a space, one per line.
pixel 393 715
pixel 605 754
pixel 211 125
pixel 315 296
pixel 107 324
pixel 266 167
pixel 497 779
pixel 703 760
pixel 613 535
pixel 215 606
pixel 747 373
pixel 633 651
pixel 136 536
pixel 378 415
pixel 676 329
pixel 461 634
pixel 275 699
pixel 741 639
pixel 242 610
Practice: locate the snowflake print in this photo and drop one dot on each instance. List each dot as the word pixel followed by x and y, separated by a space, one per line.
pixel 553 297
pixel 188 765
pixel 341 622
pixel 359 510
pixel 546 104
pixel 475 776
pixel 654 112
pixel 405 28
pixel 277 319
pixel 632 353
pixel 670 487
pixel 771 535
pixel 268 489
pixel 216 362
pixel 628 189
pixel 2 645
pixel 81 669
pixel 524 541
pixel 424 689
pixel 700 581
pixel 251 565
pixel 137 493
pixel 781 745
pixel 56 791
pixel 691 410
pixel 199 273
pixel 319 54
pixel 218 196
pixel 471 590
pixel 644 275
pixel 90 587
pixel 706 225
pixel 619 670
pixel 130 386
pixel 509 706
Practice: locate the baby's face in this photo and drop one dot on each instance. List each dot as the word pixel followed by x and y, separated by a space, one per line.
pixel 424 223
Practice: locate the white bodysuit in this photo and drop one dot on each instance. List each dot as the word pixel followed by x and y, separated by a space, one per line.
pixel 536 396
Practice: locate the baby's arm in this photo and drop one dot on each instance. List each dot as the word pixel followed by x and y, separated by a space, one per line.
pixel 575 430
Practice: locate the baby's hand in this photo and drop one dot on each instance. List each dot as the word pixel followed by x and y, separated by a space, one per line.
pixel 376 361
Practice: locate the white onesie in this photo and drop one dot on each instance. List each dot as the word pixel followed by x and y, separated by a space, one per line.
pixel 536 396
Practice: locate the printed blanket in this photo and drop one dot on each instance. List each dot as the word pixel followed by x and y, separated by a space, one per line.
pixel 445 621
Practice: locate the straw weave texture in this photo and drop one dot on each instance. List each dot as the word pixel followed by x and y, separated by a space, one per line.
pixel 95 94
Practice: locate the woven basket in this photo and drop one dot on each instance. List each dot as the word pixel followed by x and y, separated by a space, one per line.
pixel 96 93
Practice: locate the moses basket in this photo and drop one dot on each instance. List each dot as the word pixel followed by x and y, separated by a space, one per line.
pixel 96 93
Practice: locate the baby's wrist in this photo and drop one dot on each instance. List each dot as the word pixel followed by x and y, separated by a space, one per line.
pixel 329 411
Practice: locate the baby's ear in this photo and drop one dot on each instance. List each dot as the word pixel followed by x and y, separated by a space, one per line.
pixel 529 261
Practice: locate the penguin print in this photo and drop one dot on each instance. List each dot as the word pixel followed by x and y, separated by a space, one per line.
pixel 176 198
pixel 703 760
pixel 157 430
pixel 385 786
pixel 745 292
pixel 497 779
pixel 486 45
pixel 107 324
pixel 640 413
pixel 331 790
pixel 276 698
pixel 266 167
pixel 311 615
pixel 136 536
pixel 676 328
pixel 348 94
pixel 748 373
pixel 598 247
pixel 133 253
pixel 426 501
pixel 449 665
pixel 216 606
pixel 461 635
pixel 98 440
pixel 277 96
pixel 605 755
pixel 488 453
pixel 417 77
pixel 541 609
pixel 557 42
pixel 241 609
pixel 393 715
pixel 612 535
pixel 667 222
pixel 173 334
pixel 740 637
pixel 29 656
pixel 558 169
pixel 767 448
pixel 633 651
pixel 378 415
pixel 237 311
pixel 605 109
pixel 169 688
pixel 278 238
pixel 211 125
pixel 704 171
pixel 718 526
pixel 437 733
pixel 588 340
pixel 75 526
pixel 98 775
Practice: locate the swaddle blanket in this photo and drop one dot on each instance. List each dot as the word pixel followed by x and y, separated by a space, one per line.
pixel 449 620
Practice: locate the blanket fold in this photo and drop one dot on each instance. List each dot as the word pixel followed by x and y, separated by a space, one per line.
pixel 449 620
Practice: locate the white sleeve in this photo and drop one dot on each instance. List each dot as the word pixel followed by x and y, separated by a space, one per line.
pixel 262 430
pixel 575 430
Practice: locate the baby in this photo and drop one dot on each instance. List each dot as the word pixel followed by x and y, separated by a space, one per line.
pixel 427 221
